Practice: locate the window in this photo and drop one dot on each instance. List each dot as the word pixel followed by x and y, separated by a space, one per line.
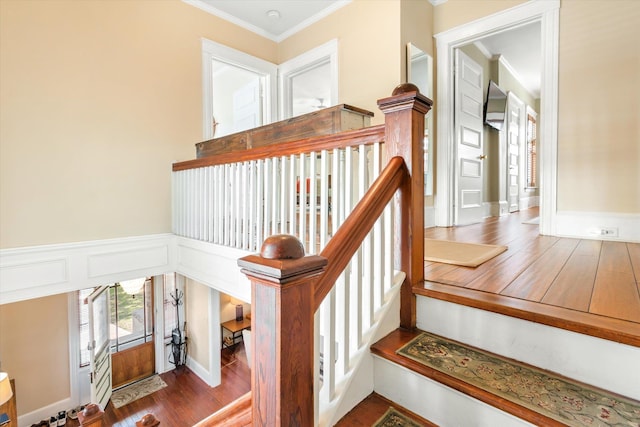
pixel 131 315
pixel 532 161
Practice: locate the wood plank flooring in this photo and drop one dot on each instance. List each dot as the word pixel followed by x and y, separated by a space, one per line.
pixel 372 408
pixel 186 399
pixel 588 286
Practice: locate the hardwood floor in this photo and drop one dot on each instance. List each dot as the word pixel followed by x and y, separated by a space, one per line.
pixel 186 399
pixel 588 286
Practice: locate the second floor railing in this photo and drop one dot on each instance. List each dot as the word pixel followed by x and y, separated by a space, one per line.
pixel 330 194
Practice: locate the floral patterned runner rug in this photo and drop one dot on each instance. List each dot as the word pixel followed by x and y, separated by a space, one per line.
pixel 556 397
pixel 393 418
pixel 137 390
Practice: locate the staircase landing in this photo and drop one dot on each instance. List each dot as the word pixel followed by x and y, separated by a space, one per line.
pixel 587 286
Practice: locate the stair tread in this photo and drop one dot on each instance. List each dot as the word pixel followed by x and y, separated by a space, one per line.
pixel 387 348
pixel 372 408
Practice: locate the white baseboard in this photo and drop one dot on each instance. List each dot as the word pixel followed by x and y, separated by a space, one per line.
pixel 529 202
pixel 589 225
pixel 45 412
pixel 495 208
pixel 200 371
pixel 429 216
pixel 40 271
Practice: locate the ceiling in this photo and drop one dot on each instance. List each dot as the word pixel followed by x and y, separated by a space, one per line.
pixel 274 19
pixel 519 47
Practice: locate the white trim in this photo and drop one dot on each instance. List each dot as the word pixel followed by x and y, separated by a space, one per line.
pixel 215 365
pixel 158 324
pixel 429 216
pixel 39 271
pixel 327 52
pixel 506 64
pixel 198 369
pixel 213 265
pixel 547 12
pixel 437 2
pixel 212 50
pixel 45 412
pixel 587 225
pixel 500 208
pixel 261 31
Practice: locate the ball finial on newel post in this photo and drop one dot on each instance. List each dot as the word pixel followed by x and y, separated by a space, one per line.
pixel 282 246
pixel 405 88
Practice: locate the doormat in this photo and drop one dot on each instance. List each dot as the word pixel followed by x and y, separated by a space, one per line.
pixel 458 253
pixel 563 400
pixel 393 418
pixel 137 390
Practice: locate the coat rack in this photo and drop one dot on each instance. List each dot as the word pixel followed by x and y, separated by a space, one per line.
pixel 178 354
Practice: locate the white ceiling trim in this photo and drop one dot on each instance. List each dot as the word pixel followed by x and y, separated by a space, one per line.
pixel 532 91
pixel 260 31
pixel 437 2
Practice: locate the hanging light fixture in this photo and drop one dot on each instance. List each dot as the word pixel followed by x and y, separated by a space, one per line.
pixel 134 286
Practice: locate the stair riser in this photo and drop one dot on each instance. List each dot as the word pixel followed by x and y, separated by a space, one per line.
pixel 434 401
pixel 606 364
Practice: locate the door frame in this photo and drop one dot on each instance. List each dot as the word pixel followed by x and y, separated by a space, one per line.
pixel 548 14
pixel 212 50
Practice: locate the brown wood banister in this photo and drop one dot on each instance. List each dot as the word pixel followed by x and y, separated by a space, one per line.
pixel 235 414
pixel 351 138
pixel 355 228
pixel 287 287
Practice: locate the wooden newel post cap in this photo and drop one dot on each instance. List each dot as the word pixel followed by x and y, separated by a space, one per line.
pixel 282 246
pixel 91 415
pixel 405 88
pixel 282 260
pixel 149 420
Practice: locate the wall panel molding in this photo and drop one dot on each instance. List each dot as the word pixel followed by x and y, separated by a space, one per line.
pixel 39 271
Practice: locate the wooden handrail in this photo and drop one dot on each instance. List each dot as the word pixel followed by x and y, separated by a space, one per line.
pixel 365 136
pixel 235 414
pixel 344 244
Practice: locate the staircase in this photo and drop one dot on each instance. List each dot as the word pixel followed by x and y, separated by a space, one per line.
pixel 449 401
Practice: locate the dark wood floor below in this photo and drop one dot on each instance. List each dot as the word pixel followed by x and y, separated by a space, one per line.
pixel 186 399
pixel 587 286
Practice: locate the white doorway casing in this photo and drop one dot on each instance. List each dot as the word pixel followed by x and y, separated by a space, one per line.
pixel 547 12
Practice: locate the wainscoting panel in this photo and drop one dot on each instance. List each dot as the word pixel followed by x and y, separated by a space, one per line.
pixel 39 271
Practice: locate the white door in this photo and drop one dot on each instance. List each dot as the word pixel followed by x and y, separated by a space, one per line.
pixel 247 106
pixel 469 140
pixel 515 131
pixel 100 346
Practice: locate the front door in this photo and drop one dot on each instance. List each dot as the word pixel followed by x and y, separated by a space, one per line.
pixel 469 140
pixel 100 346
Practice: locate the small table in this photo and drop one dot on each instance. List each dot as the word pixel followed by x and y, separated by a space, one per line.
pixel 235 327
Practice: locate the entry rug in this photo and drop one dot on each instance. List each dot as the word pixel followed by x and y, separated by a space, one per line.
pixel 458 253
pixel 393 418
pixel 569 402
pixel 137 390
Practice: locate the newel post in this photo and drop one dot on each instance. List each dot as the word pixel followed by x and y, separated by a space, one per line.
pixel 282 285
pixel 404 115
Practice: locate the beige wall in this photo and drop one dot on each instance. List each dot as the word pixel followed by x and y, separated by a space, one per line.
pixel 599 97
pixel 198 322
pixel 369 50
pixel 453 13
pixel 97 99
pixel 34 343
